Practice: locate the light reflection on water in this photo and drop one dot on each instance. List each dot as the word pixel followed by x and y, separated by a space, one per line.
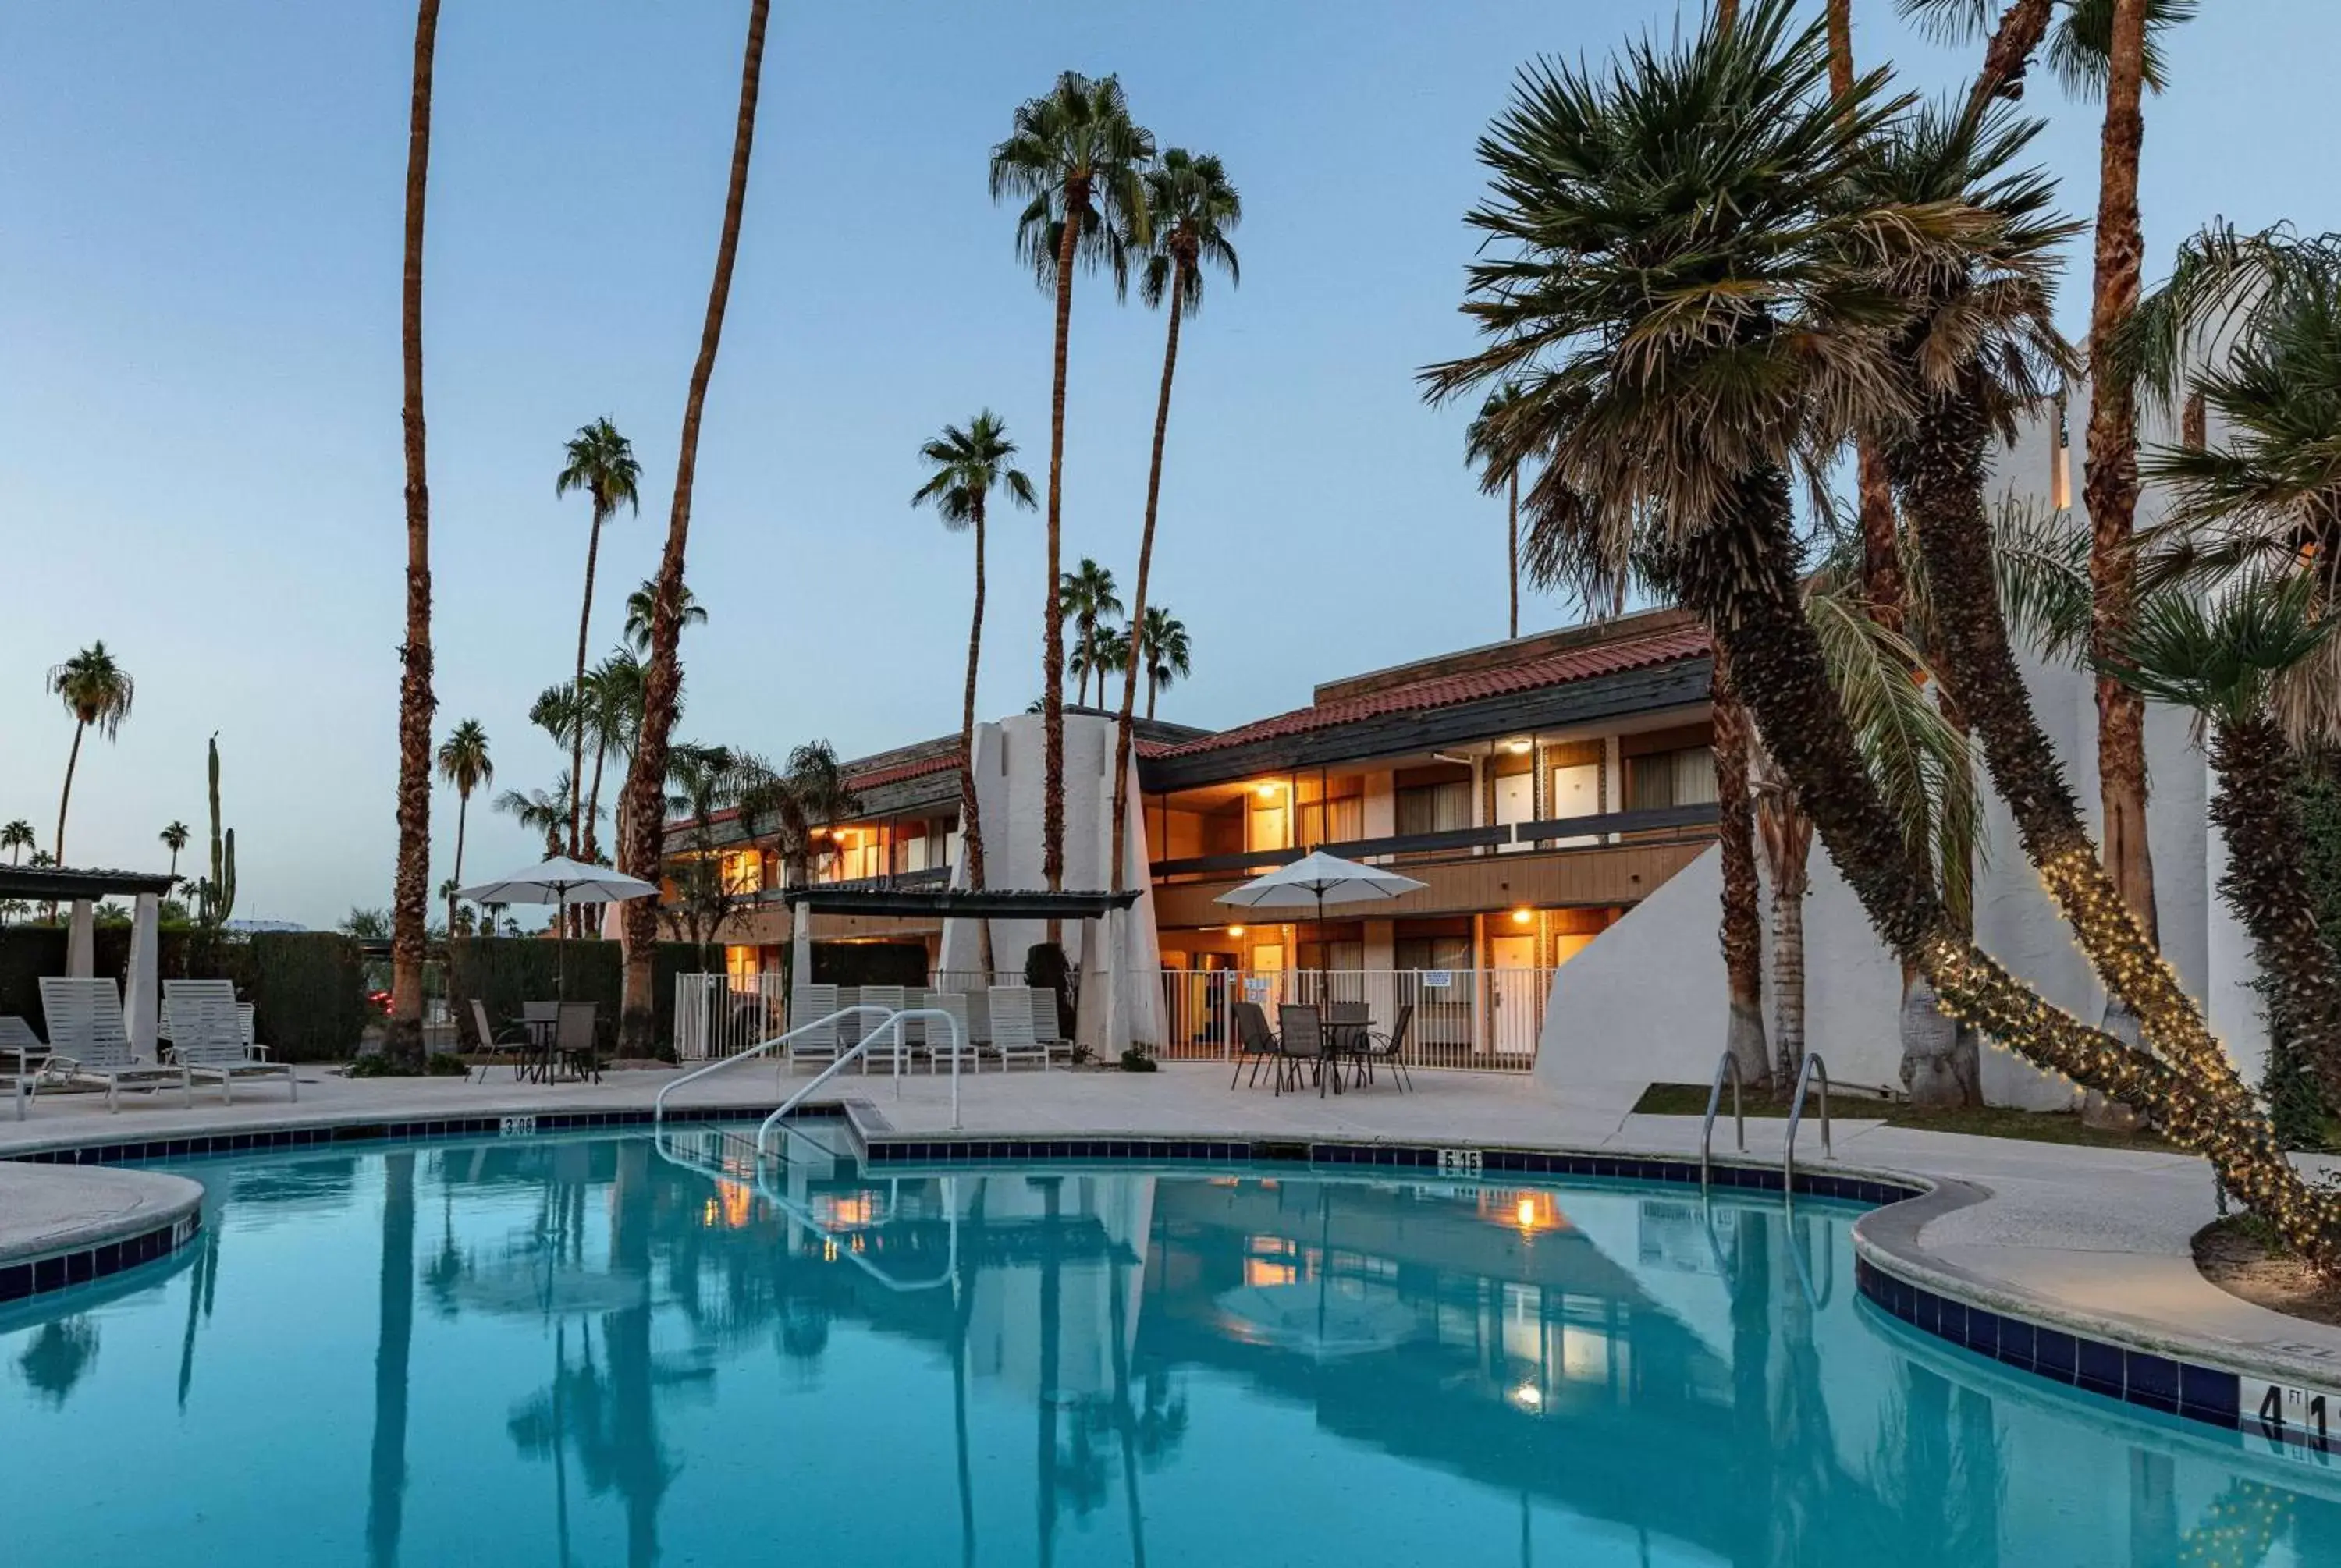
pixel 577 1352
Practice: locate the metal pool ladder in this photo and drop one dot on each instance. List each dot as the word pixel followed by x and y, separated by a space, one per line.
pixel 1814 1067
pixel 1727 1066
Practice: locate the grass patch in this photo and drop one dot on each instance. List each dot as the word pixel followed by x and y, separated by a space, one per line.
pixel 1982 1121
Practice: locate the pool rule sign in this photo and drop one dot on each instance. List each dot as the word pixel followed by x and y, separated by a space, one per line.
pixel 2297 1422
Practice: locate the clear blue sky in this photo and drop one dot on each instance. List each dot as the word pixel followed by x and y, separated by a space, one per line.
pixel 199 377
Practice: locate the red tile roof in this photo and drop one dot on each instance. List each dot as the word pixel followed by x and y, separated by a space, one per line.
pixel 918 768
pixel 1661 646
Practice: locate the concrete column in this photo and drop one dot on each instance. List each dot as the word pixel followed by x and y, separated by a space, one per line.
pixel 143 998
pixel 81 942
pixel 799 947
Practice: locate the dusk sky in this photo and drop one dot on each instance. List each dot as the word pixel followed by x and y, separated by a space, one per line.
pixel 199 367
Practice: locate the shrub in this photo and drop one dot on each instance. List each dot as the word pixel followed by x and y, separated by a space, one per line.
pixel 446 1065
pixel 1134 1060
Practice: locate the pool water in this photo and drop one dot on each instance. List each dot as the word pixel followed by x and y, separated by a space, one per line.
pixel 607 1351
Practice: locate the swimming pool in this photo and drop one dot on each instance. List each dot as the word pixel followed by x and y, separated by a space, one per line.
pixel 579 1350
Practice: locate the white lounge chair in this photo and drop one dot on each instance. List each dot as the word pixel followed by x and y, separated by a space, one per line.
pixel 1012 1036
pixel 1045 1028
pixel 893 999
pixel 23 1058
pixel 208 1038
pixel 807 1005
pixel 938 1038
pixel 88 1044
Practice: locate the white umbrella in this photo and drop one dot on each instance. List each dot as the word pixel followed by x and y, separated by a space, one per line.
pixel 560 881
pixel 1320 879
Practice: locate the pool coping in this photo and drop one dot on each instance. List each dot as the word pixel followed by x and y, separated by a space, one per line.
pixel 2196 1375
pixel 167 1214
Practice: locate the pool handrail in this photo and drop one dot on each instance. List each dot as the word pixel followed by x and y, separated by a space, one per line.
pixel 1814 1066
pixel 657 1106
pixel 1728 1065
pixel 885 1026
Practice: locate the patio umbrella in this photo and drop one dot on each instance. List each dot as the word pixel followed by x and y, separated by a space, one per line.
pixel 1320 879
pixel 560 882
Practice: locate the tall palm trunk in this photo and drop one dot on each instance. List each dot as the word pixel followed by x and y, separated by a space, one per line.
pixel 2111 487
pixel 1052 618
pixel 594 805
pixel 1740 576
pixel 72 761
pixel 463 812
pixel 404 1038
pixel 2006 58
pixel 577 684
pixel 1742 928
pixel 1512 548
pixel 1787 838
pixel 970 809
pixel 641 804
pixel 2268 888
pixel 1939 468
pixel 1135 670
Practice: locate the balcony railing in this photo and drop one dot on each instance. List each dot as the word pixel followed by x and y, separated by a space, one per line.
pixel 1660 825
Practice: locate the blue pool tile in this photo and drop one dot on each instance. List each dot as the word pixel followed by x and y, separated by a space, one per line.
pixel 1983 1330
pixel 16 1282
pixel 2054 1355
pixel 1927 1313
pixel 2208 1394
pixel 2098 1367
pixel 2016 1338
pixel 1951 1319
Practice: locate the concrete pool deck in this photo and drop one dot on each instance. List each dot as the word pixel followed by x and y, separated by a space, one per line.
pixel 2095 1238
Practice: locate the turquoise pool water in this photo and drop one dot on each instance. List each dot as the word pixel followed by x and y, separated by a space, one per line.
pixel 575 1351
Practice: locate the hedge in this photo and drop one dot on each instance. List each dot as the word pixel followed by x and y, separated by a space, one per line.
pixel 306 989
pixel 502 972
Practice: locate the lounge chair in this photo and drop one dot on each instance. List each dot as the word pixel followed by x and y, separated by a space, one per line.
pixel 1047 1027
pixel 209 1040
pixel 511 1037
pixel 938 1038
pixel 89 1045
pixel 1256 1040
pixel 891 999
pixel 1012 1036
pixel 1303 1031
pixel 26 1059
pixel 809 1005
pixel 1391 1047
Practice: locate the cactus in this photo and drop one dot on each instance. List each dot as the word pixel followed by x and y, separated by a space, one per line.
pixel 216 894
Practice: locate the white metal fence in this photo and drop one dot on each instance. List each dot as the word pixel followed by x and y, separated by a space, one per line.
pixel 1486 1021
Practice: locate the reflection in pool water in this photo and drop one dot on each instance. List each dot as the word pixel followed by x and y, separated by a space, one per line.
pixel 577 1352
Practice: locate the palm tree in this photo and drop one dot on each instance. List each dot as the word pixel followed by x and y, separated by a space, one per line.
pixel 1086 596
pixel 1192 210
pixel 1168 656
pixel 402 1040
pixel 643 600
pixel 17 838
pixel 545 811
pixel 809 791
pixel 463 762
pixel 600 463
pixel 1678 259
pixel 1076 158
pixel 1499 470
pixel 615 686
pixel 174 839
pixel 640 803
pixel 967 465
pixel 97 690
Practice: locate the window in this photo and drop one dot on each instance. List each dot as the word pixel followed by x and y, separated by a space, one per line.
pixel 1658 779
pixel 1434 807
pixel 1338 819
pixel 1431 953
pixel 743 872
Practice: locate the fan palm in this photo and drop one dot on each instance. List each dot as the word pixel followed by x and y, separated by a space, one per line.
pixel 600 463
pixel 1483 448
pixel 968 464
pixel 1689 302
pixel 1165 652
pixel 643 603
pixel 662 678
pixel 545 811
pixel 410 884
pixel 1192 208
pixel 174 839
pixel 464 761
pixel 1087 597
pixel 17 838
pixel 97 692
pixel 1076 160
pixel 809 792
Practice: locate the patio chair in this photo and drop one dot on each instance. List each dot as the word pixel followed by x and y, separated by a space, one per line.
pixel 511 1038
pixel 1255 1039
pixel 573 1042
pixel 893 1000
pixel 939 1039
pixel 210 1044
pixel 1346 1028
pixel 1302 1032
pixel 88 1044
pixel 1012 1034
pixel 1391 1047
pixel 809 1005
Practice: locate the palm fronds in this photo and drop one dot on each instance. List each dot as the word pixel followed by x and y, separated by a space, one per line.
pixel 2220 657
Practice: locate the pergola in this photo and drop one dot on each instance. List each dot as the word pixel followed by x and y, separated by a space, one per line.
pixel 82 889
